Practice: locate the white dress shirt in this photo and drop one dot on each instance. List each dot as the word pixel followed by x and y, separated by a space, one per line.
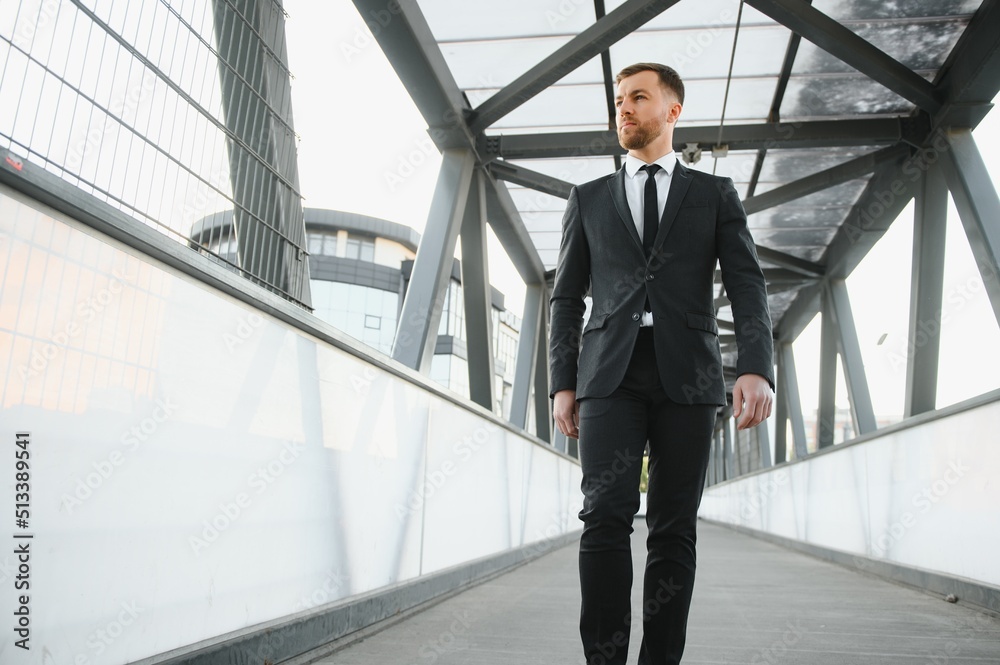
pixel 635 187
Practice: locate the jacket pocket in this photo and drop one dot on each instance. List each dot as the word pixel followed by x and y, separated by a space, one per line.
pixel 705 322
pixel 596 321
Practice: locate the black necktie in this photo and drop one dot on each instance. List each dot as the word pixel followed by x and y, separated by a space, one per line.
pixel 650 213
pixel 650 209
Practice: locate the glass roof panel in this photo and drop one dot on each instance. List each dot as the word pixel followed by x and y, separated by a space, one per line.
pixel 706 14
pixel 868 9
pixel 784 166
pixel 463 20
pixel 749 100
pixel 705 54
pixel 791 216
pixel 839 195
pixel 922 46
pixel 493 64
pixel 839 95
pixel 560 105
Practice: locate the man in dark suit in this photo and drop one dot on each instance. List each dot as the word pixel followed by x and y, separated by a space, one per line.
pixel 648 368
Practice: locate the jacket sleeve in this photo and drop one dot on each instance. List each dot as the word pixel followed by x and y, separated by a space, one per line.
pixel 572 280
pixel 745 287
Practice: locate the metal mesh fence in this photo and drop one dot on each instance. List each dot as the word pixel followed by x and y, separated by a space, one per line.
pixel 169 111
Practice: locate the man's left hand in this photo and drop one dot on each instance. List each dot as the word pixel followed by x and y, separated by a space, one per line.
pixel 752 399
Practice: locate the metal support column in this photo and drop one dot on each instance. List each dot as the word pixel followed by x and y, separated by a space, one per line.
pixel 763 445
pixel 854 364
pixel 476 293
pixel 416 334
pixel 827 409
pixel 978 205
pixel 729 469
pixel 527 353
pixel 926 289
pixel 788 394
pixel 543 405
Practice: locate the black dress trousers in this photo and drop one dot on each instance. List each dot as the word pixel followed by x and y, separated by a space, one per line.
pixel 614 431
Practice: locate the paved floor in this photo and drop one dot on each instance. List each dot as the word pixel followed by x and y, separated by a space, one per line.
pixel 754 602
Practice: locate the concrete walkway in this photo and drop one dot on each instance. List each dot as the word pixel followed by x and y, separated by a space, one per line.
pixel 754 602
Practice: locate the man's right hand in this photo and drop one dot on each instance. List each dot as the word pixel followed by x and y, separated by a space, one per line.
pixel 566 412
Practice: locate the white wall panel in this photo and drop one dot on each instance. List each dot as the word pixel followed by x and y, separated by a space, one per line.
pixel 925 496
pixel 198 466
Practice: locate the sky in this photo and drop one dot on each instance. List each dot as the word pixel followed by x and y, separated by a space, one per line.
pixel 364 148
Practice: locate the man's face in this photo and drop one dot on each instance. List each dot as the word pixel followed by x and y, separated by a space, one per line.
pixel 645 109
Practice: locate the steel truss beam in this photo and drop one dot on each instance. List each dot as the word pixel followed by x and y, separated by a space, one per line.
pixel 835 175
pixel 970 78
pixel 772 135
pixel 926 288
pixel 416 333
pixel 789 407
pixel 477 296
pixel 836 39
pixel 889 191
pixel 512 234
pixel 850 352
pixel 975 196
pixel 410 47
pixel 525 363
pixel 531 179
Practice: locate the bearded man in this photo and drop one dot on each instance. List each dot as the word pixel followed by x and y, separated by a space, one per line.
pixel 647 367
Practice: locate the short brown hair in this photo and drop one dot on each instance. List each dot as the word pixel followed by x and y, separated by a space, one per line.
pixel 669 78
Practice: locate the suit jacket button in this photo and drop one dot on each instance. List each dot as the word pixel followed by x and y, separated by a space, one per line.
pixel 635 316
pixel 649 277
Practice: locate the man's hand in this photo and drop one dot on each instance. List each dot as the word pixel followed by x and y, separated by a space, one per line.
pixel 752 397
pixel 566 413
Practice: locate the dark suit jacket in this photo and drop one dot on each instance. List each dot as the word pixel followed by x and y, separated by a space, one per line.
pixel 703 223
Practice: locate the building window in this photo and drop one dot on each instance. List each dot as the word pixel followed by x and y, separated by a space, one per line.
pixel 361 248
pixel 323 244
pixel 373 322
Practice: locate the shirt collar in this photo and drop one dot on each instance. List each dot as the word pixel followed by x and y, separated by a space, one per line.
pixel 667 163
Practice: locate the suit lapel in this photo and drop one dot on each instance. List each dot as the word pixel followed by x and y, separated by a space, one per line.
pixel 617 187
pixel 679 184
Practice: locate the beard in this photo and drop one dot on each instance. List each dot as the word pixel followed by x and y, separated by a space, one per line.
pixel 642 134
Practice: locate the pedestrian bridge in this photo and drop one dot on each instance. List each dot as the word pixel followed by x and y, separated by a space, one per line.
pixel 219 477
pixel 202 470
